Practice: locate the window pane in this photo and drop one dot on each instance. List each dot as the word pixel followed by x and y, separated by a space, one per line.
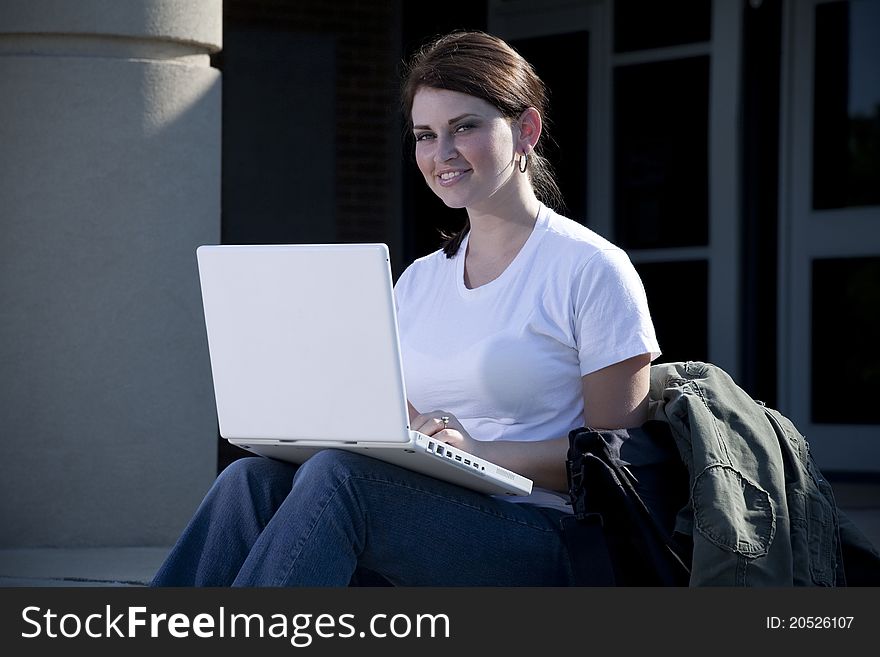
pixel 678 299
pixel 846 323
pixel 661 153
pixel 639 25
pixel 846 125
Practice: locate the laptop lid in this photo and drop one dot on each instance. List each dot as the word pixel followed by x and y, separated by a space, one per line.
pixel 303 342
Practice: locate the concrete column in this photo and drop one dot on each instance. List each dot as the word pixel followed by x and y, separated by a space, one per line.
pixel 109 180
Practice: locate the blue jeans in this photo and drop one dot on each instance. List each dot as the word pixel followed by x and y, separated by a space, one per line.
pixel 268 523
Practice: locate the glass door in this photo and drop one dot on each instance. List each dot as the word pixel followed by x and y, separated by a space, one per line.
pixel 829 275
pixel 675 163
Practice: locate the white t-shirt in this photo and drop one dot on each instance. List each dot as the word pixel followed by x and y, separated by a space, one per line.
pixel 507 358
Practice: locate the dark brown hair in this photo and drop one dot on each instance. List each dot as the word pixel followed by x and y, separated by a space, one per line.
pixel 484 66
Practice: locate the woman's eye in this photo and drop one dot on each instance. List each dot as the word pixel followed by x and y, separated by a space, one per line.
pixel 464 127
pixel 424 136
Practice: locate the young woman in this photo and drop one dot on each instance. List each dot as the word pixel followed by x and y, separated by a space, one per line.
pixel 524 326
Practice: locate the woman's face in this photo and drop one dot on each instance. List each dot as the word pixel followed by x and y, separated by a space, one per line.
pixel 464 146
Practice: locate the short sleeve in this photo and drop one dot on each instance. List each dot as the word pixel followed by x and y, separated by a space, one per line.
pixel 611 318
pixel 401 287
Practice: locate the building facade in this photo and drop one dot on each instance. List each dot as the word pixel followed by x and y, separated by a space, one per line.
pixel 732 147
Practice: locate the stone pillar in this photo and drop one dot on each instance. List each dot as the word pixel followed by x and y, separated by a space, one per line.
pixel 109 180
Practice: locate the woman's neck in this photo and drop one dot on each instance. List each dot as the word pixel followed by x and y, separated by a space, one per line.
pixel 496 237
pixel 504 227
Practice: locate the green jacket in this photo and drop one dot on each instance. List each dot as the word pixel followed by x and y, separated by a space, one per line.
pixel 760 513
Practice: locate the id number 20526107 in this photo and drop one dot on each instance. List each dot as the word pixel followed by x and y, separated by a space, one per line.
pixel 809 622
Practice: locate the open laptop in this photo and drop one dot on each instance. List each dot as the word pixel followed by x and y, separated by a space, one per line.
pixel 305 356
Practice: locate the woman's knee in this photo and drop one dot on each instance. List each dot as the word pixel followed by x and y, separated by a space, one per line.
pixel 243 467
pixel 336 462
pixel 332 467
pixel 251 470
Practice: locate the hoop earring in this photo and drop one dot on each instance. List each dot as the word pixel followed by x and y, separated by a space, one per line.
pixel 523 163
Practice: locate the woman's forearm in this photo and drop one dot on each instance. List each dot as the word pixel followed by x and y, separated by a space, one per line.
pixel 541 461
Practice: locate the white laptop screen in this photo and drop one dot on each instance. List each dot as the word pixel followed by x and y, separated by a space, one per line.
pixel 303 342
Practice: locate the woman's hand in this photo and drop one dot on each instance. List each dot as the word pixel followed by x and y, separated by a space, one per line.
pixel 445 427
pixel 542 461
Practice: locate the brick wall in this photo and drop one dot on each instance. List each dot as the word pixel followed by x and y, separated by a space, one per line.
pixel 367 137
pixel 366 34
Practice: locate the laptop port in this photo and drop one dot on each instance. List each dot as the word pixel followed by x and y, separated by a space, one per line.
pixel 457 457
pixel 439 450
pixel 430 446
pixel 467 461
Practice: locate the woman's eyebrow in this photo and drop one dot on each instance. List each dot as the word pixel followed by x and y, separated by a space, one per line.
pixel 451 121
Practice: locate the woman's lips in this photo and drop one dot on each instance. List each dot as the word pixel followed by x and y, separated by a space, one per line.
pixel 448 178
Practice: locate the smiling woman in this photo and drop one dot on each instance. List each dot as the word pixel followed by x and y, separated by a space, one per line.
pixel 470 154
pixel 526 324
pixel 523 327
pixel 482 68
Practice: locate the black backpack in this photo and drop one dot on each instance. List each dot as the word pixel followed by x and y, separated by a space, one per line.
pixel 613 537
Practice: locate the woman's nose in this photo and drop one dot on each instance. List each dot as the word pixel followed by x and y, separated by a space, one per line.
pixel 445 149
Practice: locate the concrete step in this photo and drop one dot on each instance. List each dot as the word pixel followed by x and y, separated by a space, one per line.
pixel 123 566
pixel 135 566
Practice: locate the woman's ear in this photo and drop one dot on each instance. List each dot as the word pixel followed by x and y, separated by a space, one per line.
pixel 529 130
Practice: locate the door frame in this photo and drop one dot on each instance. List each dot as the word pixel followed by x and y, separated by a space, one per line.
pixel 807 234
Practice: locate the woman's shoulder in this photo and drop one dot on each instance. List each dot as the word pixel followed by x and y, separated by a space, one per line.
pixel 575 241
pixel 424 267
pixel 430 262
